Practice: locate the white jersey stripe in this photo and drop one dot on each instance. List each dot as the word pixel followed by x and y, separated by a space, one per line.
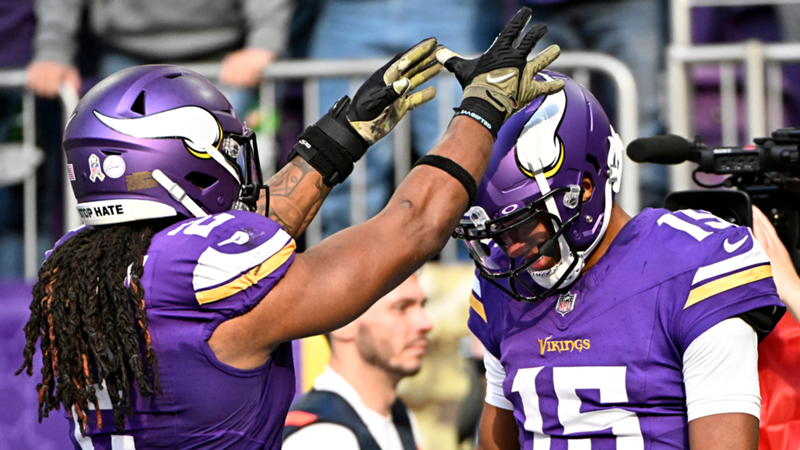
pixel 753 257
pixel 84 441
pixel 248 279
pixel 699 215
pixel 679 224
pixel 476 287
pixel 215 268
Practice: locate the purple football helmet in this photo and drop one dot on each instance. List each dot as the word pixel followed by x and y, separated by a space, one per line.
pixel 529 224
pixel 158 141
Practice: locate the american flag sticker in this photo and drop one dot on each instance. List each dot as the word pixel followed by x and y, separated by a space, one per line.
pixel 70 172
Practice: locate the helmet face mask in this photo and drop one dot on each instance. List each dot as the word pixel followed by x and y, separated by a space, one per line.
pixel 159 141
pixel 241 151
pixel 521 246
pixel 532 226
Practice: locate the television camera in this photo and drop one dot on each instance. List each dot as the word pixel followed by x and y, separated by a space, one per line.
pixel 766 173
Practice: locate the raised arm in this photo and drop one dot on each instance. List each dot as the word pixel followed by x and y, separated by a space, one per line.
pixel 296 193
pixel 336 280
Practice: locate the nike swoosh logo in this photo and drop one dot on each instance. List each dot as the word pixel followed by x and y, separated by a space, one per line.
pixel 730 248
pixel 493 80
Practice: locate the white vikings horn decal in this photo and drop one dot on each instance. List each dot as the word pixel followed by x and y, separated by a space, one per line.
pixel 538 147
pixel 197 127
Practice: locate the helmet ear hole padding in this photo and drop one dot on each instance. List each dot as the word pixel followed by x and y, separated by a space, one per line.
pixel 587 183
pixel 201 180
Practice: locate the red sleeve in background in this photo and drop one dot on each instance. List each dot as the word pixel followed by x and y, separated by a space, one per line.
pixel 779 375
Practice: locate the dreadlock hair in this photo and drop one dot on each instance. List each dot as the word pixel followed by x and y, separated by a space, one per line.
pixel 88 311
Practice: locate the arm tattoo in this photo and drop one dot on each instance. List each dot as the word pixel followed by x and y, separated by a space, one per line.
pixel 296 195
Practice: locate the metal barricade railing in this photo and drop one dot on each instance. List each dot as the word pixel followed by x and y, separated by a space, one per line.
pixel 310 72
pixel 763 89
pixel 69 100
pixel 18 164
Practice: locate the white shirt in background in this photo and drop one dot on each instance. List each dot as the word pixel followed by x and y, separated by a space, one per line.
pixel 337 437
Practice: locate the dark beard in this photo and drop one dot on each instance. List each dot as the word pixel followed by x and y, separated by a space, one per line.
pixel 372 355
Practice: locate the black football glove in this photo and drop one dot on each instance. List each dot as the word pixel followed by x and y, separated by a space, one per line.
pixel 500 82
pixel 341 137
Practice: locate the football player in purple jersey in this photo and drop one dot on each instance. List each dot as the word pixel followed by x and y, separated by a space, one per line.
pixel 601 330
pixel 165 321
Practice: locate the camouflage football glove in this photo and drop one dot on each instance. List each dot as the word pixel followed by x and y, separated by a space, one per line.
pixel 341 137
pixel 500 82
pixel 383 99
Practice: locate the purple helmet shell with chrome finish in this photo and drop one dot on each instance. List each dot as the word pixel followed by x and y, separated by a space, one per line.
pixel 155 141
pixel 540 158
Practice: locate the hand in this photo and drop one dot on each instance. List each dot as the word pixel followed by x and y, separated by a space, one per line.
pixel 242 68
pixel 45 78
pixel 786 278
pixel 342 136
pixel 500 82
pixel 383 99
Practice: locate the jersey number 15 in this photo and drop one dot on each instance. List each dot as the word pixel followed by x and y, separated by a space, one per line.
pixel 610 381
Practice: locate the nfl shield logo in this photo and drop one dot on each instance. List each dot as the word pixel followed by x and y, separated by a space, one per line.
pixel 565 303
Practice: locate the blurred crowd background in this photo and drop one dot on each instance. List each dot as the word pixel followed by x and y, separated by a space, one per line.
pixel 56 49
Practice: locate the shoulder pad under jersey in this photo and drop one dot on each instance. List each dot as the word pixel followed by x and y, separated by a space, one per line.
pixel 223 255
pixel 719 271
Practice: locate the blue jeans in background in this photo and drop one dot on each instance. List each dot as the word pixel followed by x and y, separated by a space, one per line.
pixel 348 29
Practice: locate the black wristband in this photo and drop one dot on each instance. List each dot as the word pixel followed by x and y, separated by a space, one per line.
pixel 483 112
pixel 338 129
pixel 454 170
pixel 324 154
pixel 332 145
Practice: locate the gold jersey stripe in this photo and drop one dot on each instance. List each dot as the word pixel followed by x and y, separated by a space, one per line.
pixel 477 306
pixel 248 279
pixel 724 284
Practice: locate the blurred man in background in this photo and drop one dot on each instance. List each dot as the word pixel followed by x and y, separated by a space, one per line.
pixel 354 403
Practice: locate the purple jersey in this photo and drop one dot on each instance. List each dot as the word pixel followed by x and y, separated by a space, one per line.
pixel 197 274
pixel 602 363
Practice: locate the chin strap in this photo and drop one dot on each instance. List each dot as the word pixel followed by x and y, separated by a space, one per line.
pixel 178 194
pixel 548 278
